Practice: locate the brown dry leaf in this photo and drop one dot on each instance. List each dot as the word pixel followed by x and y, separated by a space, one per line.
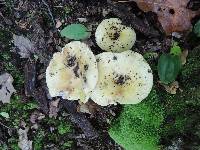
pixel 89 107
pixel 172 88
pixel 6 87
pixel 172 14
pixel 83 108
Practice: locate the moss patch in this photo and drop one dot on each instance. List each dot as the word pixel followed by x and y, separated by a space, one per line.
pixel 137 126
pixel 50 131
pixel 182 109
pixel 162 115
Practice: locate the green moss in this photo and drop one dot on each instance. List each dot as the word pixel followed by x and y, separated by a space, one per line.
pixel 138 125
pixel 60 128
pixel 193 63
pixel 18 110
pixel 162 115
pixel 21 111
pixel 64 128
pixel 10 65
pixel 182 109
pixel 38 138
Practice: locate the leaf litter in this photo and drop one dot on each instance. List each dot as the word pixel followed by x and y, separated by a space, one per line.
pixel 6 87
pixel 24 143
pixel 173 15
pixel 24 46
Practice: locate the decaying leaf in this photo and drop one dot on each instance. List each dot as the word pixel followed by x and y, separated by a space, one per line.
pixel 90 107
pixel 184 55
pixel 24 45
pixel 53 108
pixel 83 108
pixel 35 116
pixel 58 23
pixel 172 88
pixel 24 143
pixel 6 87
pixel 172 14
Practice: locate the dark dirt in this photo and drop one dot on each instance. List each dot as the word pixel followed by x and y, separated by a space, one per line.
pixel 36 20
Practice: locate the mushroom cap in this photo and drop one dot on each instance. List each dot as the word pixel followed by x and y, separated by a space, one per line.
pixel 73 72
pixel 124 77
pixel 111 35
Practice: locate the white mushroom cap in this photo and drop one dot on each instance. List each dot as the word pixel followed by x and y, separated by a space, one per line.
pixel 73 72
pixel 124 77
pixel 111 35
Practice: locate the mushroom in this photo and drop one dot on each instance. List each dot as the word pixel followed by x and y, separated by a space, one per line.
pixel 111 35
pixel 124 77
pixel 73 72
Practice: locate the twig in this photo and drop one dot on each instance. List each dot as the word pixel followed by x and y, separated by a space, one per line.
pixel 49 10
pixel 4 125
pixel 79 119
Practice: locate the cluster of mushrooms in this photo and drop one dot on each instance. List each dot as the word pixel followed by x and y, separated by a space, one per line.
pixel 116 76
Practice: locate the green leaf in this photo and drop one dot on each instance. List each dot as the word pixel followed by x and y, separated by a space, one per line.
pixel 175 49
pixel 5 115
pixel 196 29
pixel 75 32
pixel 169 67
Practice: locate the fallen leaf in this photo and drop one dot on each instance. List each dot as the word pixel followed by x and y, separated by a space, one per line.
pixel 22 24
pixel 184 55
pixel 5 115
pixel 35 116
pixel 24 143
pixel 83 108
pixel 175 49
pixel 172 88
pixel 6 87
pixel 169 67
pixel 24 45
pixel 173 15
pixel 75 32
pixel 58 24
pixel 89 107
pixel 82 19
pixel 53 108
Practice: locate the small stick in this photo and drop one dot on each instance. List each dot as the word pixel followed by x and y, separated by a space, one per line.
pixel 49 10
pixel 4 125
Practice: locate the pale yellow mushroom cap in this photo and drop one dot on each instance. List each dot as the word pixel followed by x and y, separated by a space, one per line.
pixel 111 35
pixel 124 77
pixel 73 72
